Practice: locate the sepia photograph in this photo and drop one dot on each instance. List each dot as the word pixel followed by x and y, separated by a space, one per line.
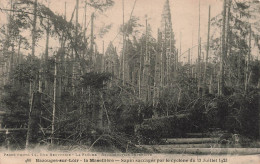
pixel 130 81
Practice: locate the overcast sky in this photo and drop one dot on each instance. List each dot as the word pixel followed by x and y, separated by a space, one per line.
pixel 184 18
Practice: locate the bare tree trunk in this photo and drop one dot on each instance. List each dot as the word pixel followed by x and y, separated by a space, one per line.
pixel 54 103
pixel 77 19
pixel 31 90
pixel 123 51
pixel 189 62
pixel 92 43
pixel 199 69
pixel 103 58
pixel 176 64
pixel 146 65
pixel 248 61
pixel 228 47
pixel 180 51
pixel 85 22
pixel 29 128
pixel 34 27
pixel 74 57
pixel 211 84
pixel 140 69
pixel 221 74
pixel 100 112
pixel 11 64
pixel 46 55
pixel 19 56
pixel 40 78
pixel 206 60
pixel 170 59
pixel 161 69
pixel 12 46
pixel 199 56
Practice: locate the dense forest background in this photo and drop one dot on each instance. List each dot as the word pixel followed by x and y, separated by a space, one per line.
pixel 77 95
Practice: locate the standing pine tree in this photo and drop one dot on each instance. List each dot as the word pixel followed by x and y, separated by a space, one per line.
pixel 168 43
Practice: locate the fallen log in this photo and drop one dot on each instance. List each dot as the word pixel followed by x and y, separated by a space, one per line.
pixel 190 140
pixel 178 116
pixel 206 145
pixel 197 135
pixel 12 129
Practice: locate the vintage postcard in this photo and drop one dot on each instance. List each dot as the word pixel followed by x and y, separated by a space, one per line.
pixel 129 81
